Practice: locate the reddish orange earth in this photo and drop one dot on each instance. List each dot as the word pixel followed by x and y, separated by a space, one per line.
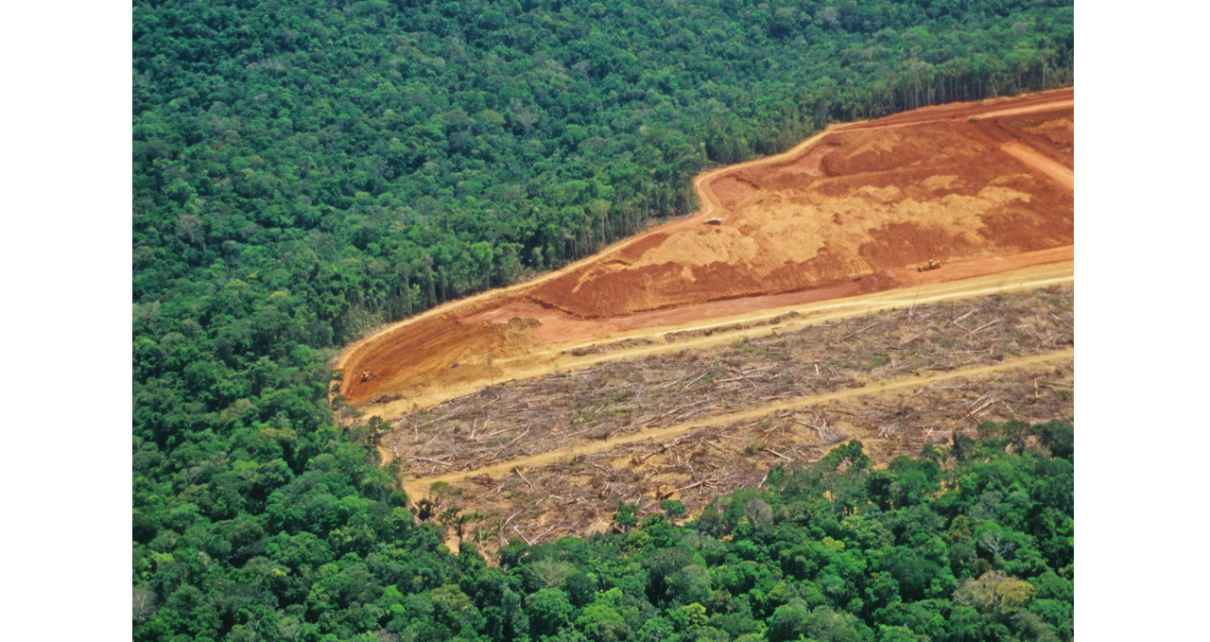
pixel 982 187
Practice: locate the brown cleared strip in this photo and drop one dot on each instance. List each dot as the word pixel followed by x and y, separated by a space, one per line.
pixel 419 487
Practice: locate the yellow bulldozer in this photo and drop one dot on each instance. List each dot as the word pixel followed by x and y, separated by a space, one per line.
pixel 931 264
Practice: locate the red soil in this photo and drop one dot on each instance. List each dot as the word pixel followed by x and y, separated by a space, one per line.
pixel 983 187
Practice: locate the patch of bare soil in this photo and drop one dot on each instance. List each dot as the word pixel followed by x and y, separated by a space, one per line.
pixel 849 212
pixel 863 200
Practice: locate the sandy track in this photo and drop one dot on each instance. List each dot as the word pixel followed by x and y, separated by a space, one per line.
pixel 710 201
pixel 412 361
pixel 1000 113
pixel 419 487
pixel 990 108
pixel 923 117
pixel 1062 174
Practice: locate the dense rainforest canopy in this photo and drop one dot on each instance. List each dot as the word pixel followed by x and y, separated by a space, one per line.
pixel 968 542
pixel 306 171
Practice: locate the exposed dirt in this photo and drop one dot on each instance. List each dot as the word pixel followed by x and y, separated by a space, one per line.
pixel 860 202
pixel 983 187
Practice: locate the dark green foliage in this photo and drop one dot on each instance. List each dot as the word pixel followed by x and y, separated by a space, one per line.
pixel 627 516
pixel 1059 437
pixel 511 554
pixel 985 558
pixel 673 508
pixel 549 610
pixel 581 589
pixel 665 569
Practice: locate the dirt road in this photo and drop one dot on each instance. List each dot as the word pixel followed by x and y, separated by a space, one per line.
pixel 1062 174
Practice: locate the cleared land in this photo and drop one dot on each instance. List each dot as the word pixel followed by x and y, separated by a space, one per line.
pixel 983 187
pixel 786 316
pixel 552 456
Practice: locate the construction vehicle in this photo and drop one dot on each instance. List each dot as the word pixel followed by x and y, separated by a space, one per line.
pixel 931 264
pixel 366 376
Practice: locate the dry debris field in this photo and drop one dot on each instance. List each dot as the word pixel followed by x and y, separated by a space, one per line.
pixel 552 456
